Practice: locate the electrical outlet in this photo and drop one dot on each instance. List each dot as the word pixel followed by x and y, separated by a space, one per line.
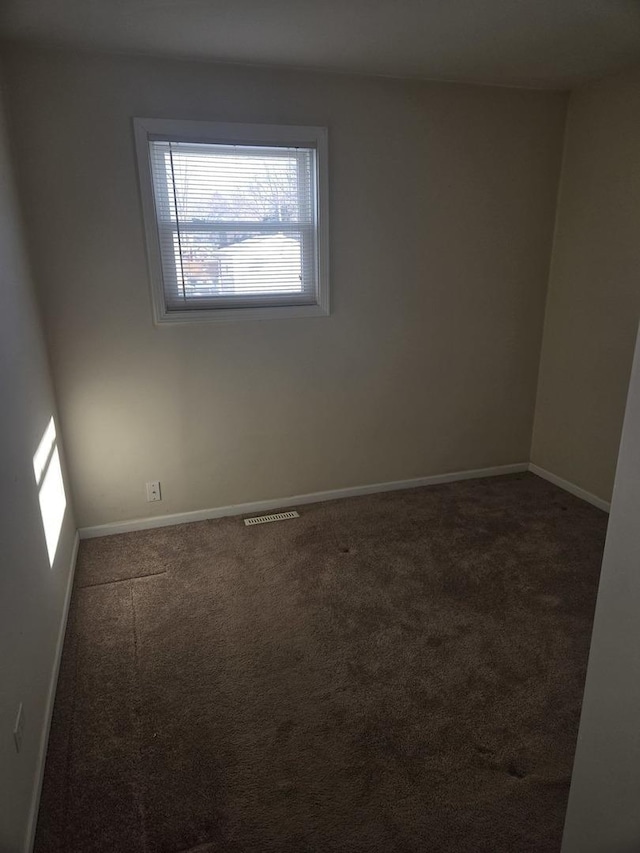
pixel 153 491
pixel 18 729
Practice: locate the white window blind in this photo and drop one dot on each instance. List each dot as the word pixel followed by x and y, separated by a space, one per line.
pixel 237 224
pixel 235 219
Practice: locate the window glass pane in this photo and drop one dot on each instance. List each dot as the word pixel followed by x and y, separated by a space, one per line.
pixel 235 222
pixel 238 263
pixel 220 183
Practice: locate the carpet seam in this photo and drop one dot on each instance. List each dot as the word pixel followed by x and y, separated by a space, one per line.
pixel 121 580
pixel 138 718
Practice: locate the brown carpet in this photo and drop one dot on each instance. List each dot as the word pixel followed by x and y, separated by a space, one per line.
pixel 393 673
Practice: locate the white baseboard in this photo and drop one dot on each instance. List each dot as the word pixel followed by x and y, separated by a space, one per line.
pixel 296 500
pixel 51 695
pixel 569 487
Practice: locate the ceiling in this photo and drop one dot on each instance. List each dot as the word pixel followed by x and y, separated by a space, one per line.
pixel 534 43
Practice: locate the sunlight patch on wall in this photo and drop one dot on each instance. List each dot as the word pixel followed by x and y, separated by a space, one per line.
pixel 53 500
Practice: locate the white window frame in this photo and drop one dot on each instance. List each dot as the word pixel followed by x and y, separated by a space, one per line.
pixel 231 133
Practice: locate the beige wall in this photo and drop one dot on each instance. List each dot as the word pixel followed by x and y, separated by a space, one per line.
pixel 441 212
pixel 594 289
pixel 603 814
pixel 32 593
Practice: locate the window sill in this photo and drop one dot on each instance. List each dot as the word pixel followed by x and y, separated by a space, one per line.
pixel 231 315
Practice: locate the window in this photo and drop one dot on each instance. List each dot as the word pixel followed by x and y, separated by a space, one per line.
pixel 235 218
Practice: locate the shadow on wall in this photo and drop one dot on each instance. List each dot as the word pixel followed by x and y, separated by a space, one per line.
pixel 51 493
